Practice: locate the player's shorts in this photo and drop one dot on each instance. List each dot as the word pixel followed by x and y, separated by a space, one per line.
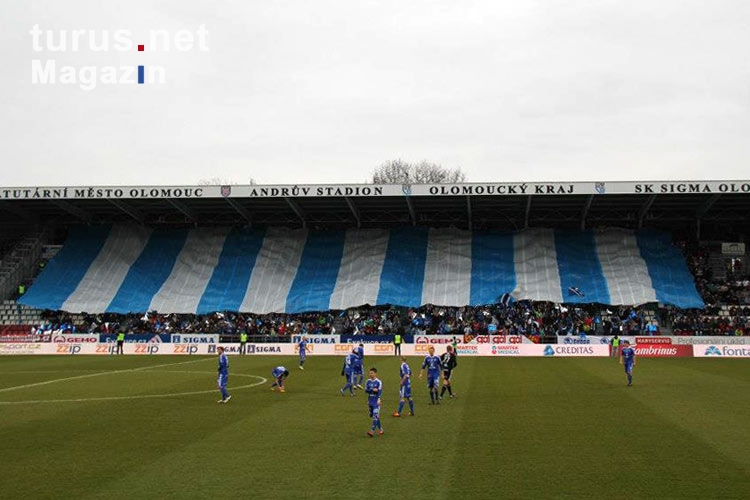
pixel 302 355
pixel 628 367
pixel 222 380
pixel 433 380
pixel 405 391
pixel 374 411
pixel 447 374
pixel 350 376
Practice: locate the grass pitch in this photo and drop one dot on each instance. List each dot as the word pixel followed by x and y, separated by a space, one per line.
pixel 527 428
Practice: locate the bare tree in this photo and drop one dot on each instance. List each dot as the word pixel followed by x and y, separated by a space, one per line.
pixel 218 181
pixel 424 172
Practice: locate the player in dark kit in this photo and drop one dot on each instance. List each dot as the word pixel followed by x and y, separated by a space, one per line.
pixel 448 360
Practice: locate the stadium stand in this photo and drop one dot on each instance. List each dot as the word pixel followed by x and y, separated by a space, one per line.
pixel 281 259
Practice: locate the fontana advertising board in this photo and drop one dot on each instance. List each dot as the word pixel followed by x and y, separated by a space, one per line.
pixel 721 351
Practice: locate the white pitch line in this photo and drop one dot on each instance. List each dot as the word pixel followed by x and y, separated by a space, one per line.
pixel 98 374
pixel 3 373
pixel 263 380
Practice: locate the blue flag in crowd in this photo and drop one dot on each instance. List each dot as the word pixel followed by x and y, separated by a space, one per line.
pixel 574 290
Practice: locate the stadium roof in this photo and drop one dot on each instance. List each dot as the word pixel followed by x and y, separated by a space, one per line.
pixel 713 208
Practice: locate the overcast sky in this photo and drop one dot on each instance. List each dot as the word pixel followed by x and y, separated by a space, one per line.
pixel 322 91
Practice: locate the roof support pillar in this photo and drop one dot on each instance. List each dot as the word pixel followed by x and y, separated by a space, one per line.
pixel 355 211
pixel 297 210
pixel 585 211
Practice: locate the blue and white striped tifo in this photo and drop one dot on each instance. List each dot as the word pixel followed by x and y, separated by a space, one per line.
pixel 132 269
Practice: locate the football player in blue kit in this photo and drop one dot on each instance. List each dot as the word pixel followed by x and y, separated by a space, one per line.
pixel 627 358
pixel 434 365
pixel 374 389
pixel 405 389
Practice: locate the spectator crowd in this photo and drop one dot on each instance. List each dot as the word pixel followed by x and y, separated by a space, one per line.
pixel 533 319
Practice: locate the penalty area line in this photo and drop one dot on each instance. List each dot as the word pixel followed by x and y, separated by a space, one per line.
pixel 98 374
pixel 261 381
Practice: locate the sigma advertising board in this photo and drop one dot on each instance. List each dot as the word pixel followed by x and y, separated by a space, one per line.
pixel 317 339
pixel 194 338
pixel 264 349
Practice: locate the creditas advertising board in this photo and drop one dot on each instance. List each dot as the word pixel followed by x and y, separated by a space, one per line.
pixel 548 350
